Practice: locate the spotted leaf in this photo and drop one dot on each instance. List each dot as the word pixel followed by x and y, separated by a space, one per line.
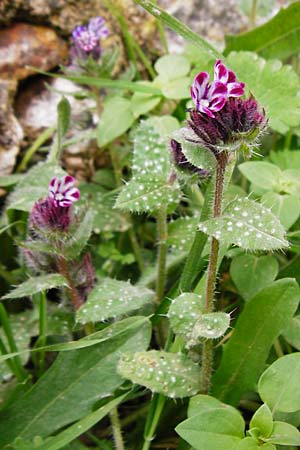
pixel 247 224
pixel 181 233
pixel 171 374
pixel 113 298
pixel 184 312
pixel 37 284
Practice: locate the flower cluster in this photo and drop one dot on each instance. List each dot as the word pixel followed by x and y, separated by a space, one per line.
pixel 210 98
pixel 86 39
pixel 54 213
pixel 221 121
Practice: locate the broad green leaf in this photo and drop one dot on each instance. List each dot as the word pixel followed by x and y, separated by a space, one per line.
pixel 249 443
pixel 262 420
pixel 179 28
pixel 284 434
pixel 278 385
pixel 174 89
pixel 215 426
pixel 194 153
pixel 10 180
pixel 172 67
pixel 142 103
pixel 278 38
pixel 151 185
pixel 115 119
pixel 105 218
pixel 286 159
pixel 263 174
pixel 33 186
pixel 285 207
pixel 147 194
pixel 251 273
pixel 72 385
pixel 181 233
pixel 80 427
pixel 292 332
pixel 37 284
pixel 247 224
pixel 112 298
pixel 164 126
pixel 275 87
pixel 171 374
pixel 262 320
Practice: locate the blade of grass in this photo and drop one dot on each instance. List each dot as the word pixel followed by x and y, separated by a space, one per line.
pixel 179 28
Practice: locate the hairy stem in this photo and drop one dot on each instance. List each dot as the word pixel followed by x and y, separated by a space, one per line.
pixel 116 429
pixel 207 349
pixel 72 291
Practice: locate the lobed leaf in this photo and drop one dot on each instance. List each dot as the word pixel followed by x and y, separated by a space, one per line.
pixel 275 87
pixel 247 224
pixel 171 374
pixel 112 298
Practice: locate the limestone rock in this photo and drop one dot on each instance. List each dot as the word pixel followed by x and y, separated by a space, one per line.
pixel 24 45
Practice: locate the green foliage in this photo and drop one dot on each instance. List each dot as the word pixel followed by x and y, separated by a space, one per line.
pixel 181 233
pixel 173 79
pixel 247 224
pixel 278 385
pixel 171 374
pixel 33 186
pixel 263 421
pixel 292 332
pixel 284 434
pixel 78 240
pixel 73 384
pixel 278 38
pixel 262 320
pixel 151 185
pixel 275 87
pixel 211 425
pixel 112 298
pixel 37 284
pixel 252 273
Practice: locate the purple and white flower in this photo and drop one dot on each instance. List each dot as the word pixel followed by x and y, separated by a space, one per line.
pixel 228 77
pixel 63 192
pixel 211 98
pixel 208 98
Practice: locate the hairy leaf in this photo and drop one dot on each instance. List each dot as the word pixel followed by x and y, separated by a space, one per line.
pixel 37 284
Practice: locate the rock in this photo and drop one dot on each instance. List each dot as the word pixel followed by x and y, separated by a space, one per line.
pixel 11 133
pixel 24 45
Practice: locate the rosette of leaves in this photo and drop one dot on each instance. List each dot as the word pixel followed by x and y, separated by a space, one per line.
pixel 152 185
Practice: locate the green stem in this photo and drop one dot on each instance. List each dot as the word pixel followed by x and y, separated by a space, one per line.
pixel 73 293
pixel 42 328
pixel 42 138
pixel 207 349
pixel 19 371
pixel 10 364
pixel 116 429
pixel 162 232
pixel 157 406
pixel 253 13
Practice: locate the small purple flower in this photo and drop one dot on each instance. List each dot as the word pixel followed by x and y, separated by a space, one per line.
pixel 228 77
pixel 63 192
pixel 86 39
pixel 208 98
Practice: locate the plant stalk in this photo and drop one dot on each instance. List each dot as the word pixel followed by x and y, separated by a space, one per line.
pixel 73 293
pixel 116 429
pixel 162 231
pixel 207 348
pixel 42 328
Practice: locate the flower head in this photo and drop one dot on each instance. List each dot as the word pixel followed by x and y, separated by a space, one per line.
pixel 86 39
pixel 63 192
pixel 211 98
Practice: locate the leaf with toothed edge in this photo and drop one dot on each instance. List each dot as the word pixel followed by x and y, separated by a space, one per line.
pixel 113 298
pixel 247 224
pixel 151 185
pixel 37 284
pixel 210 326
pixel 171 374
pixel 181 233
